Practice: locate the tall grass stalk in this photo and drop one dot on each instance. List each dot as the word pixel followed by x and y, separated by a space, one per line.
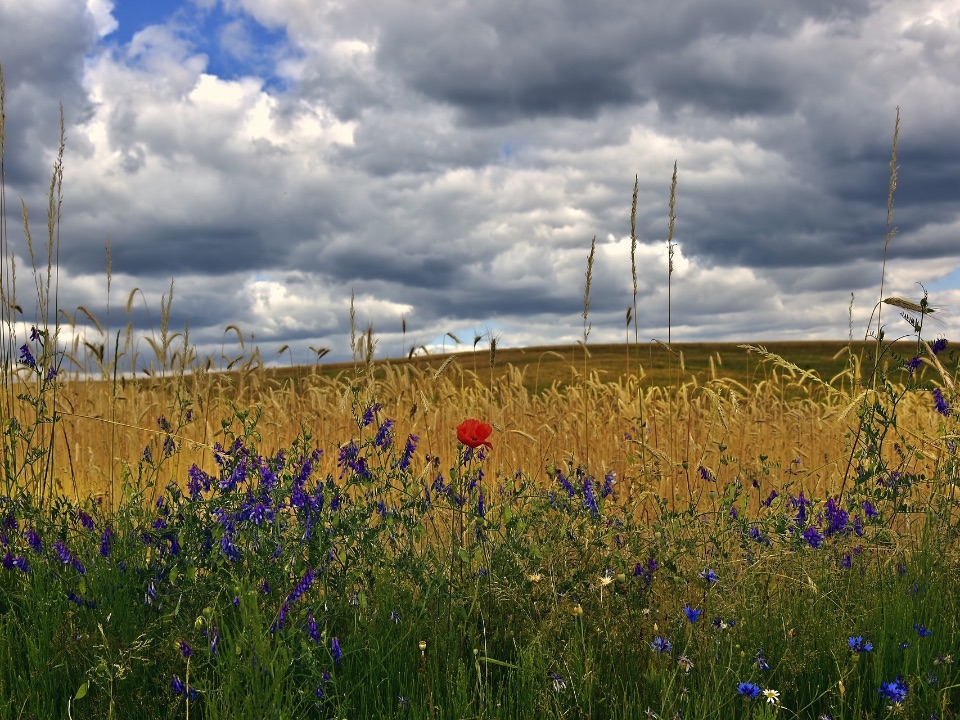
pixel 586 334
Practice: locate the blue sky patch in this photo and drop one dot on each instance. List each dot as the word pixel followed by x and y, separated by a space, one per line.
pixel 234 42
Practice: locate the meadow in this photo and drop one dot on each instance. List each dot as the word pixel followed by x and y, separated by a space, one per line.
pixel 633 531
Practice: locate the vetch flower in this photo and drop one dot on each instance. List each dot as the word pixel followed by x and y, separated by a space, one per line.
pixel 33 540
pixel 26 357
pixel 813 537
pixel 941 404
pixel 384 437
pixel 335 651
pixel 312 629
pixel 473 433
pixel 408 451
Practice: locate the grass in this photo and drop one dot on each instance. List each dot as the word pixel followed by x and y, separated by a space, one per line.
pixel 658 530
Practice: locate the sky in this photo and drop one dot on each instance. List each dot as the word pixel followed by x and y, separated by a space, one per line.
pixel 448 163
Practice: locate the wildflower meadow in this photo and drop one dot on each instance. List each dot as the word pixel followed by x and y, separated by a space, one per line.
pixel 184 537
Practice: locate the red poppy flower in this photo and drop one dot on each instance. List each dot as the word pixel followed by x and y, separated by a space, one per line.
pixel 474 433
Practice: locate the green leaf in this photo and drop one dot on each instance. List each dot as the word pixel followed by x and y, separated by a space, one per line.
pixel 82 691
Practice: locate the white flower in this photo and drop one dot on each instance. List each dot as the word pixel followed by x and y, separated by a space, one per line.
pixel 772 696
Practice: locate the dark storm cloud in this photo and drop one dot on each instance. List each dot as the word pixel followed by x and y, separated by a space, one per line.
pixel 41 53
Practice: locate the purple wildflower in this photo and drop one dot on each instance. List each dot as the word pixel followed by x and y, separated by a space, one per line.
pixel 105 541
pixel 85 520
pixel 813 537
pixel 335 651
pixel 943 407
pixel 312 629
pixel 384 437
pixel 33 540
pixel 26 357
pixel 589 498
pixel 408 451
pixel 302 586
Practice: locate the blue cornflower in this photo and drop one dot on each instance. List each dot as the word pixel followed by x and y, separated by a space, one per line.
pixel 709 576
pixel 177 685
pixel 693 614
pixel 895 692
pixel 859 645
pixel 761 661
pixel 661 644
pixel 813 537
pixel 943 407
pixel 748 689
pixel 922 630
pixel 335 651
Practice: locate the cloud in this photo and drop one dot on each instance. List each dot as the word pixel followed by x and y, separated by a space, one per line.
pixel 450 163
